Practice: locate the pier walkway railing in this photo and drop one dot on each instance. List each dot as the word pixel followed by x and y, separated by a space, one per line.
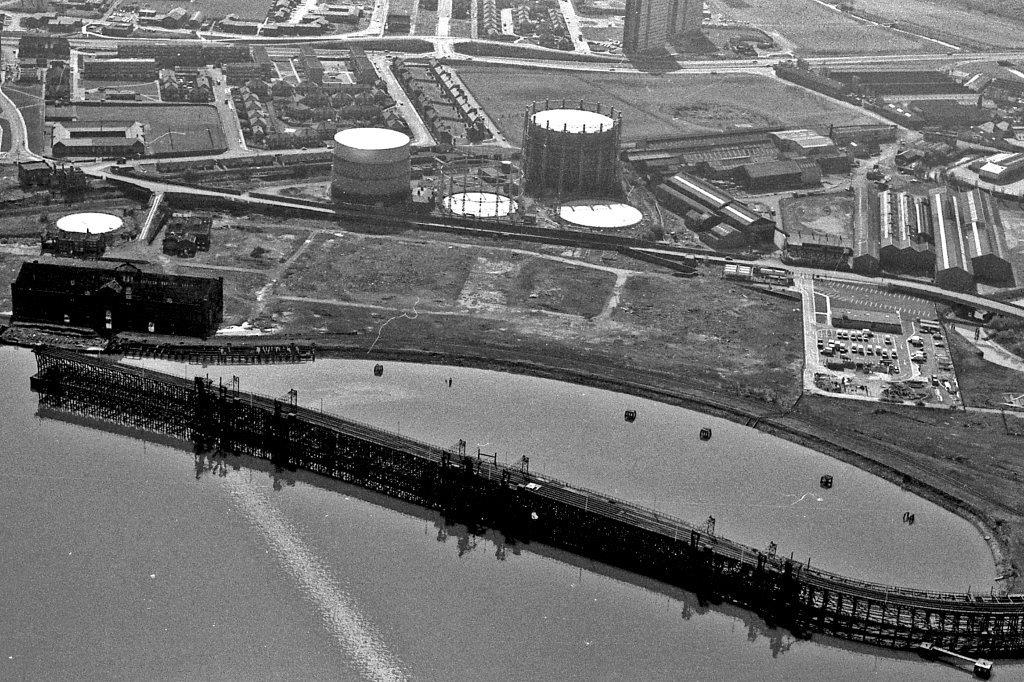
pixel 525 506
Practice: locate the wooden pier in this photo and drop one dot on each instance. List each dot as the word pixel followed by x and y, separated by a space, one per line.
pixel 523 507
pixel 214 354
pixel 981 667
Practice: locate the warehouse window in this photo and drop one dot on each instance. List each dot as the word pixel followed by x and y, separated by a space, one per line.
pixel 151 327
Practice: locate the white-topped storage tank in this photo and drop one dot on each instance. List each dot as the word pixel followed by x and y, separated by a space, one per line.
pixel 371 165
pixel 89 223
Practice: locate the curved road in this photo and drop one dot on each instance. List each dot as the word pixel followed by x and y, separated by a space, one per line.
pixel 19 133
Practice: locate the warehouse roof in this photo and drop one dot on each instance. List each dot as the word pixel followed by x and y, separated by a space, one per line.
pixel 950 251
pixel 701 191
pixel 74 276
pixel 771 169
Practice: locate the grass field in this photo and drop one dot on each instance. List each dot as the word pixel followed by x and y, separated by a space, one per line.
pixel 5 130
pixel 814 29
pixel 245 9
pixel 653 105
pixel 830 214
pixel 170 129
pixel 378 271
pixel 149 90
pixel 10 264
pixel 235 244
pixel 702 333
pixel 971 19
pixel 737 340
pixel 982 383
pixel 501 283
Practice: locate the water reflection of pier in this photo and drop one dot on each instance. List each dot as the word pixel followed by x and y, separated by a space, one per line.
pixel 481 493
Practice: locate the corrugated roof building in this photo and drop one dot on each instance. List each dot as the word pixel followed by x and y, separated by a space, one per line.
pixel 979 220
pixel 953 269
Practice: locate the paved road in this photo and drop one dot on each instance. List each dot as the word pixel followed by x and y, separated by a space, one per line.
pixel 572 23
pixel 228 116
pixel 147 224
pixel 19 133
pixel 421 136
pixel 444 18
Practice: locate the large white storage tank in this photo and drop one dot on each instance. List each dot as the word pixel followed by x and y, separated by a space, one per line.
pixel 371 165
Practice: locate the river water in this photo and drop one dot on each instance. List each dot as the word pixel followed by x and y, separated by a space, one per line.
pixel 120 562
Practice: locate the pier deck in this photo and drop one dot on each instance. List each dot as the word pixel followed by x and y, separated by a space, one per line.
pixel 526 507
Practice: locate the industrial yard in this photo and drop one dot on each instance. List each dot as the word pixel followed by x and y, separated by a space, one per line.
pixel 797 215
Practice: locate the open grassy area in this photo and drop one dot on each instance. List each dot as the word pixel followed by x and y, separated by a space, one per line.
pixel 379 271
pixel 175 129
pixel 814 29
pixel 1008 332
pixel 245 9
pixel 830 214
pixel 503 283
pixel 12 255
pixel 658 105
pixel 989 21
pixel 670 339
pixel 239 292
pixel 704 332
pixel 5 131
pixel 982 383
pixel 148 90
pixel 235 243
pixel 725 335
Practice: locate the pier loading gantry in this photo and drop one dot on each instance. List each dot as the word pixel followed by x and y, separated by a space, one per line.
pixel 525 506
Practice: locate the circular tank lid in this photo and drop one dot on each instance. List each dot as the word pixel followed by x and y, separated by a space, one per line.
pixel 479 204
pixel 573 120
pixel 371 139
pixel 93 223
pixel 600 215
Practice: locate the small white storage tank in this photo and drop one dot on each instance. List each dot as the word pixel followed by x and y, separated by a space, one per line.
pixel 89 223
pixel 371 165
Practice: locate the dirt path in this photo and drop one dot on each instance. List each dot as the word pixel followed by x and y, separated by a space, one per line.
pixel 621 278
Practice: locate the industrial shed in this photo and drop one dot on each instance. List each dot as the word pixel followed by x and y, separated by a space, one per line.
pixel 111 297
pixel 953 269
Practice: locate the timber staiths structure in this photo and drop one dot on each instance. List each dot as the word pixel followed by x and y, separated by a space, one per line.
pixel 526 507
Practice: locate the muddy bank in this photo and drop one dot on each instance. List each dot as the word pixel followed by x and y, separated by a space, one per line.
pixel 778 422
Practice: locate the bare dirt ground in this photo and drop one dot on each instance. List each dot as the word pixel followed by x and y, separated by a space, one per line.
pixel 965 461
pixel 240 243
pixel 830 214
pixel 702 331
pixel 658 105
pixel 815 29
pixel 360 269
pixel 982 383
pixel 12 254
pixel 755 339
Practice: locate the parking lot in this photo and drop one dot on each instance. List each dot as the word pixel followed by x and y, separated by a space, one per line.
pixel 903 357
pixel 863 297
